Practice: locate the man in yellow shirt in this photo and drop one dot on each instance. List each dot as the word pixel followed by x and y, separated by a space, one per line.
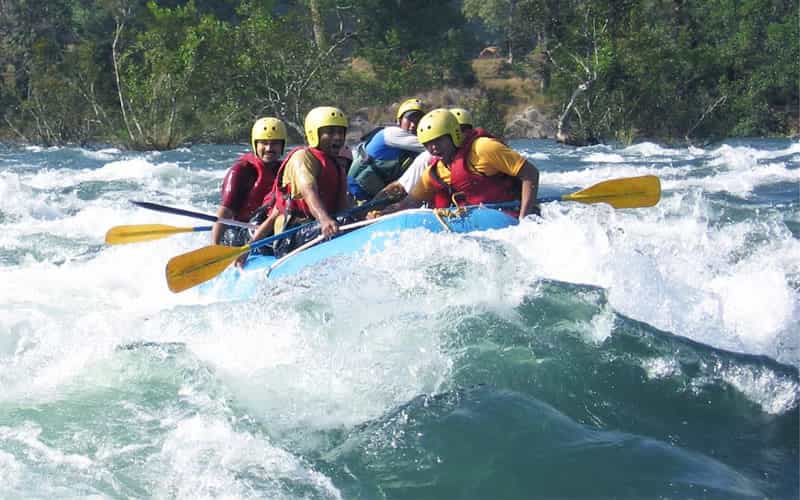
pixel 312 181
pixel 469 168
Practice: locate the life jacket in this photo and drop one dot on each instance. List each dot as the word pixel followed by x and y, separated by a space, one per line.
pixel 369 135
pixel 329 186
pixel 265 178
pixel 375 164
pixel 474 188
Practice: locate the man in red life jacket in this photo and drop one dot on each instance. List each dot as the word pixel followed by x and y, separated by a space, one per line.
pixel 249 180
pixel 469 168
pixel 312 181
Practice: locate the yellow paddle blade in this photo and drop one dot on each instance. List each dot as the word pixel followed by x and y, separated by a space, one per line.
pixel 631 192
pixel 142 232
pixel 192 268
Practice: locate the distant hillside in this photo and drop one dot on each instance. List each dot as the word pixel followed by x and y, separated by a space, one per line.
pixel 505 100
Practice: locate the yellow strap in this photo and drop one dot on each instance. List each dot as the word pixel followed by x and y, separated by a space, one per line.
pixel 448 213
pixel 440 213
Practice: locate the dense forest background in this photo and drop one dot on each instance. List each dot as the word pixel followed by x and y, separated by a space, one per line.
pixel 157 74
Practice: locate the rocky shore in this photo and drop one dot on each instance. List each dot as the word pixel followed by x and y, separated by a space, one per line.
pixel 530 123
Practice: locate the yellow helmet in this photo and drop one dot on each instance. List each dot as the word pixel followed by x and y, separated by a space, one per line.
pixel 463 116
pixel 322 116
pixel 409 105
pixel 437 123
pixel 267 129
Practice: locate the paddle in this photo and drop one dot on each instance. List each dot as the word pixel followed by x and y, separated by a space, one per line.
pixel 630 192
pixel 192 268
pixel 189 213
pixel 146 232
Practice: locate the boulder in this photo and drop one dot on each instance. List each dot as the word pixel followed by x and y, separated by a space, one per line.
pixel 530 124
pixel 359 124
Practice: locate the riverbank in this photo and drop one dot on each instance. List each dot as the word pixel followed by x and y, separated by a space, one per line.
pixel 507 101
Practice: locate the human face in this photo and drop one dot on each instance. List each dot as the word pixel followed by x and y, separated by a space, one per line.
pixel 269 150
pixel 331 139
pixel 442 147
pixel 410 120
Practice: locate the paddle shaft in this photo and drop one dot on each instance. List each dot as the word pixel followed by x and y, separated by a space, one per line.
pixel 346 213
pixel 189 213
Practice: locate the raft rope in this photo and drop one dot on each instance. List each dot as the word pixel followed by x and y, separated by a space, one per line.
pixel 450 213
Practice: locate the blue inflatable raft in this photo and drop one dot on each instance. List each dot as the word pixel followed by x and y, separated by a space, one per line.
pixel 371 236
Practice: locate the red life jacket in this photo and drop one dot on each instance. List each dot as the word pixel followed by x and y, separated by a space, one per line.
pixel 265 178
pixel 329 186
pixel 475 188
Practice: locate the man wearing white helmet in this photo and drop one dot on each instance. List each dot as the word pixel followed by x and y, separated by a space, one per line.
pixel 312 180
pixel 384 154
pixel 249 180
pixel 469 168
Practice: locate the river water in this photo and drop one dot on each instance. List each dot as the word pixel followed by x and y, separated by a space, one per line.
pixel 593 353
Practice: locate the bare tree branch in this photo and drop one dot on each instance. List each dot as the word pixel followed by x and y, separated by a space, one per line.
pixel 119 25
pixel 708 111
pixel 14 129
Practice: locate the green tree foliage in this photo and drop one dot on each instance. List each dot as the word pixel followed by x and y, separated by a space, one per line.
pixel 413 44
pixel 38 47
pixel 693 69
pixel 509 22
pixel 278 67
pixel 155 74
pixel 179 81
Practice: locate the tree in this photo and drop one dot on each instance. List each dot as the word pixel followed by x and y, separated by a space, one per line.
pixel 282 71
pixel 157 88
pixel 413 44
pixel 580 58
pixel 501 19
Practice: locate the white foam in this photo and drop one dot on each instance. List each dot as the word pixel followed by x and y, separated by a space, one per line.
pixel 10 472
pixel 106 154
pixel 649 150
pixel 66 317
pixel 536 155
pixel 668 267
pixel 776 395
pixel 696 152
pixel 661 368
pixel 603 158
pixel 136 168
pixel 738 156
pixel 28 435
pixel 20 200
pixel 602 326
pixel 579 179
pixel 743 311
pixel 743 182
pixel 205 458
